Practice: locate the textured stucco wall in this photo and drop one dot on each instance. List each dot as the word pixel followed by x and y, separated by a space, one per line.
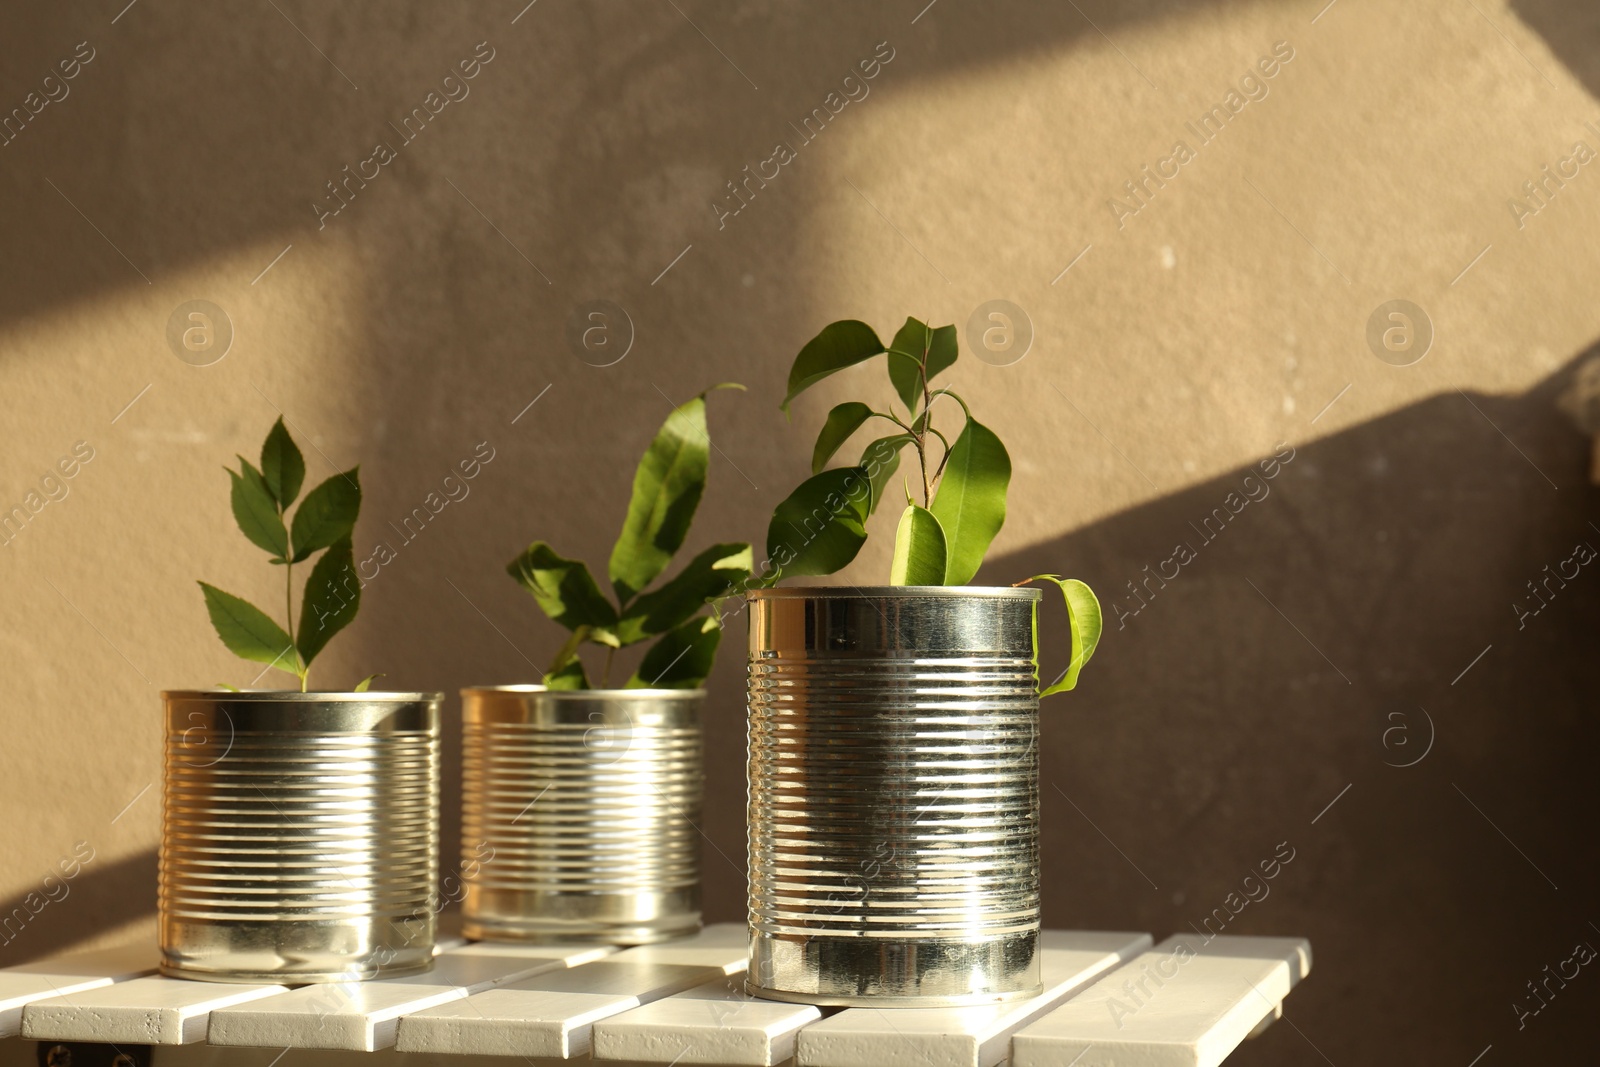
pixel 1229 706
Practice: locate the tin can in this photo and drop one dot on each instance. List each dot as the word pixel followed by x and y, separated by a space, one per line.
pixel 580 814
pixel 893 795
pixel 299 836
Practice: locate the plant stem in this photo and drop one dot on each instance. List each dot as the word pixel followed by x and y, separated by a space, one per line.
pixel 569 649
pixel 288 618
pixel 922 461
pixel 927 422
pixel 605 678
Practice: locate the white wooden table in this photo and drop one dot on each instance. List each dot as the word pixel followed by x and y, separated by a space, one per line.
pixel 1110 998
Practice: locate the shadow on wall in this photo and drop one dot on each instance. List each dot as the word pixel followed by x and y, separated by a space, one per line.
pixel 1569 30
pixel 1277 646
pixel 255 175
pixel 61 912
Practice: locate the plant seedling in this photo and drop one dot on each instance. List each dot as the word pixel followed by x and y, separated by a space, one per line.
pixel 666 491
pixel 324 523
pixel 955 504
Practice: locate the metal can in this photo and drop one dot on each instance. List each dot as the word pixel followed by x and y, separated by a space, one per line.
pixel 299 835
pixel 893 795
pixel 580 814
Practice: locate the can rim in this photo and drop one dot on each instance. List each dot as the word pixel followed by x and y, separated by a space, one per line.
pixel 854 592
pixel 295 696
pixel 528 689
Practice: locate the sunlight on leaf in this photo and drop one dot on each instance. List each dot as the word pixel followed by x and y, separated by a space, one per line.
pixel 919 549
pixel 971 501
pixel 1084 619
pixel 840 344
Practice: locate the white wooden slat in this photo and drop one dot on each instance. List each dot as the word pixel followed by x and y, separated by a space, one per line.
pixel 1187 1003
pixel 20 986
pixel 141 1011
pixel 713 1023
pixel 363 1016
pixel 552 1014
pixel 725 946
pixel 978 1036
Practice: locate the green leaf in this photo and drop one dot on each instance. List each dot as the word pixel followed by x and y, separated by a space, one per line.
pixel 570 676
pixel 282 465
pixel 332 597
pixel 716 572
pixel 1083 617
pixel 843 420
pixel 567 654
pixel 882 459
pixel 840 344
pixel 256 511
pixel 942 351
pixel 971 501
pixel 906 353
pixel 821 526
pixel 914 346
pixel 366 683
pixel 327 514
pixel 247 631
pixel 918 549
pixel 681 659
pixel 563 588
pixel 666 491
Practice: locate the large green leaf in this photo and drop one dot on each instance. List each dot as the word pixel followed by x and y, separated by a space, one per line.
pixel 881 459
pixel 681 659
pixel 1083 618
pixel 971 501
pixel 256 511
pixel 247 631
pixel 327 514
pixel 914 345
pixel 840 344
pixel 821 526
pixel 666 491
pixel 843 420
pixel 918 549
pixel 716 572
pixel 332 596
pixel 282 465
pixel 564 589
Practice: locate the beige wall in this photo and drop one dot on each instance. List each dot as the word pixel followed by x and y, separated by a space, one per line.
pixel 1190 339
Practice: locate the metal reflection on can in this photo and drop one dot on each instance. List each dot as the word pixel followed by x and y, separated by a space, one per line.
pixel 893 796
pixel 580 814
pixel 299 835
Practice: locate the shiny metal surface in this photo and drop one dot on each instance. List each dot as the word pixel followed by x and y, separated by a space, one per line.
pixel 894 796
pixel 580 814
pixel 299 835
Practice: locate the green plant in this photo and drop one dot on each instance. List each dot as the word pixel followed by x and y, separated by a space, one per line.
pixel 961 485
pixel 666 491
pixel 325 519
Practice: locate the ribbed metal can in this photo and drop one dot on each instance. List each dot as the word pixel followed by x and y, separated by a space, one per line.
pixel 299 835
pixel 580 814
pixel 893 795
